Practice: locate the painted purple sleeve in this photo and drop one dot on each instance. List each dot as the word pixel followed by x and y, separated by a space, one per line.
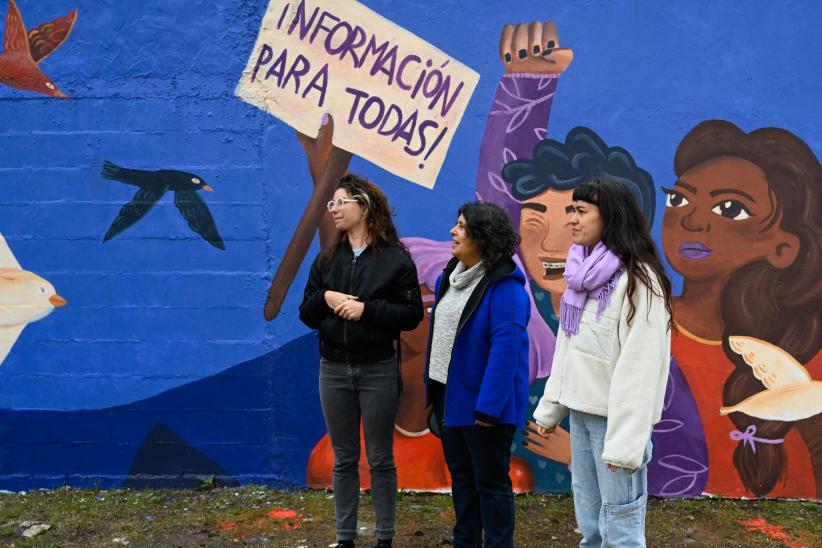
pixel 679 467
pixel 517 122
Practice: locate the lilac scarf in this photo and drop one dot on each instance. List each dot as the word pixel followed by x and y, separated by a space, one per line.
pixel 590 272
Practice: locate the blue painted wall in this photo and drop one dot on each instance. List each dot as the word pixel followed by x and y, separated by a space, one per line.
pixel 151 86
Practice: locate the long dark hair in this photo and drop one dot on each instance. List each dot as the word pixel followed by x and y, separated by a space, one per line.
pixel 377 213
pixel 782 306
pixel 490 227
pixel 626 233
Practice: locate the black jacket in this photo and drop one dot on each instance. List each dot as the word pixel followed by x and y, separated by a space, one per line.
pixel 383 278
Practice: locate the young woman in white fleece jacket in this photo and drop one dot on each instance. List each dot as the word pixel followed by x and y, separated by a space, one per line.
pixel 610 365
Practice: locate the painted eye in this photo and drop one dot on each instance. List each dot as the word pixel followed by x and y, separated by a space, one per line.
pixel 675 199
pixel 42 290
pixel 195 180
pixel 732 210
pixel 49 85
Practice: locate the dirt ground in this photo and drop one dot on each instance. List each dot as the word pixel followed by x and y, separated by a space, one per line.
pixel 261 516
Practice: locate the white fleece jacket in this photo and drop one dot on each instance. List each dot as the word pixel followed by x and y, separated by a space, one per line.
pixel 613 370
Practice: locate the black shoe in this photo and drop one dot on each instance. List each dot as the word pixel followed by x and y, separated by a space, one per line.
pixel 383 543
pixel 345 544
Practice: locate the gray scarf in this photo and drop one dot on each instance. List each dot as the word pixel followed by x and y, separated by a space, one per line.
pixel 460 277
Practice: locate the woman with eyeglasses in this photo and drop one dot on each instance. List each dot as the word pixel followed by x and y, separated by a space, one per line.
pixel 361 293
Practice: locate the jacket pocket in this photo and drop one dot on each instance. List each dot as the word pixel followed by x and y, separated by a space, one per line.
pixel 596 337
pixel 474 369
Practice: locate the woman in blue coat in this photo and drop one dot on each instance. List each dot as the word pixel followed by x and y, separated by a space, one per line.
pixel 477 371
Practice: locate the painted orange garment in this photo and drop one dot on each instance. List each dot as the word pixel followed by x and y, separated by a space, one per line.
pixel 706 368
pixel 420 465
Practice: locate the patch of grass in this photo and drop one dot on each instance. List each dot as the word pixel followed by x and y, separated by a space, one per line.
pixel 258 515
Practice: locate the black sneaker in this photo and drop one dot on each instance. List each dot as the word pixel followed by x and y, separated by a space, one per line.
pixel 383 543
pixel 345 544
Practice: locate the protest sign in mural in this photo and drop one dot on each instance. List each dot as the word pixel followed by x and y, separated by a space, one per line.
pixel 396 99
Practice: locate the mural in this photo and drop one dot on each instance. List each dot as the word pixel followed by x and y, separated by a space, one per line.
pixel 742 226
pixel 25 297
pixel 152 186
pixel 23 51
pixel 327 164
pixel 161 371
pixel 539 194
pixel 392 123
pixel 792 393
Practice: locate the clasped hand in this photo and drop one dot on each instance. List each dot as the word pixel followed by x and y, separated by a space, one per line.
pixel 345 306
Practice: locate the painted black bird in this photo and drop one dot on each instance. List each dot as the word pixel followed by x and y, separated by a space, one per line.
pixel 153 185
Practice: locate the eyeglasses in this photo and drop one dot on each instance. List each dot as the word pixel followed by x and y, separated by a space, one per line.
pixel 339 202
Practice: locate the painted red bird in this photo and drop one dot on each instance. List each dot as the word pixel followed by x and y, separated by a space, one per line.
pixel 23 51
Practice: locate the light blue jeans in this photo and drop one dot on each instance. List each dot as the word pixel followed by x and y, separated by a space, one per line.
pixel 609 506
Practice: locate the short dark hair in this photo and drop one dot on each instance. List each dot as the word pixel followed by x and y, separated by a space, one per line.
pixel 491 228
pixel 583 156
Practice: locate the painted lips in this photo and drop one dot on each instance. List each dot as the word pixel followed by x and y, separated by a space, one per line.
pixel 694 250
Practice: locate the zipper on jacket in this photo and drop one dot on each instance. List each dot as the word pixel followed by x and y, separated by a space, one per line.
pixel 345 325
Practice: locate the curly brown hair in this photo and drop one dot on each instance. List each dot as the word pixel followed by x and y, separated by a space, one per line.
pixel 490 227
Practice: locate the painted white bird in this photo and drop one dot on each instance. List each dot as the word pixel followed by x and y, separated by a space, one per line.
pixel 25 297
pixel 791 394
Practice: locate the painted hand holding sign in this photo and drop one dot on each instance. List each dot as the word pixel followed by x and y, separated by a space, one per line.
pixel 396 99
pixel 310 66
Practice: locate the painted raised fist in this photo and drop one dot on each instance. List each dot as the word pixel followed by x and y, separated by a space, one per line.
pixel 534 48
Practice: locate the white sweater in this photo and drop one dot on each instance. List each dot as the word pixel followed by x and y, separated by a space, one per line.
pixel 613 370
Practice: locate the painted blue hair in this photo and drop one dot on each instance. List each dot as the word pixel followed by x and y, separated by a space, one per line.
pixel 583 156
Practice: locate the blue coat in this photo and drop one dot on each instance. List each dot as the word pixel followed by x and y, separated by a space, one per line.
pixel 488 373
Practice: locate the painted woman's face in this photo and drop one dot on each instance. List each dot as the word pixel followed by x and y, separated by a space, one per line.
pixel 546 237
pixel 719 216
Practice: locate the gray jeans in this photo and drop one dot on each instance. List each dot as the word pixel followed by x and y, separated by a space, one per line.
pixel 369 392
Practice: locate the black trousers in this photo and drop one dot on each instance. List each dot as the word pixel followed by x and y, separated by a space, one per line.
pixel 478 458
